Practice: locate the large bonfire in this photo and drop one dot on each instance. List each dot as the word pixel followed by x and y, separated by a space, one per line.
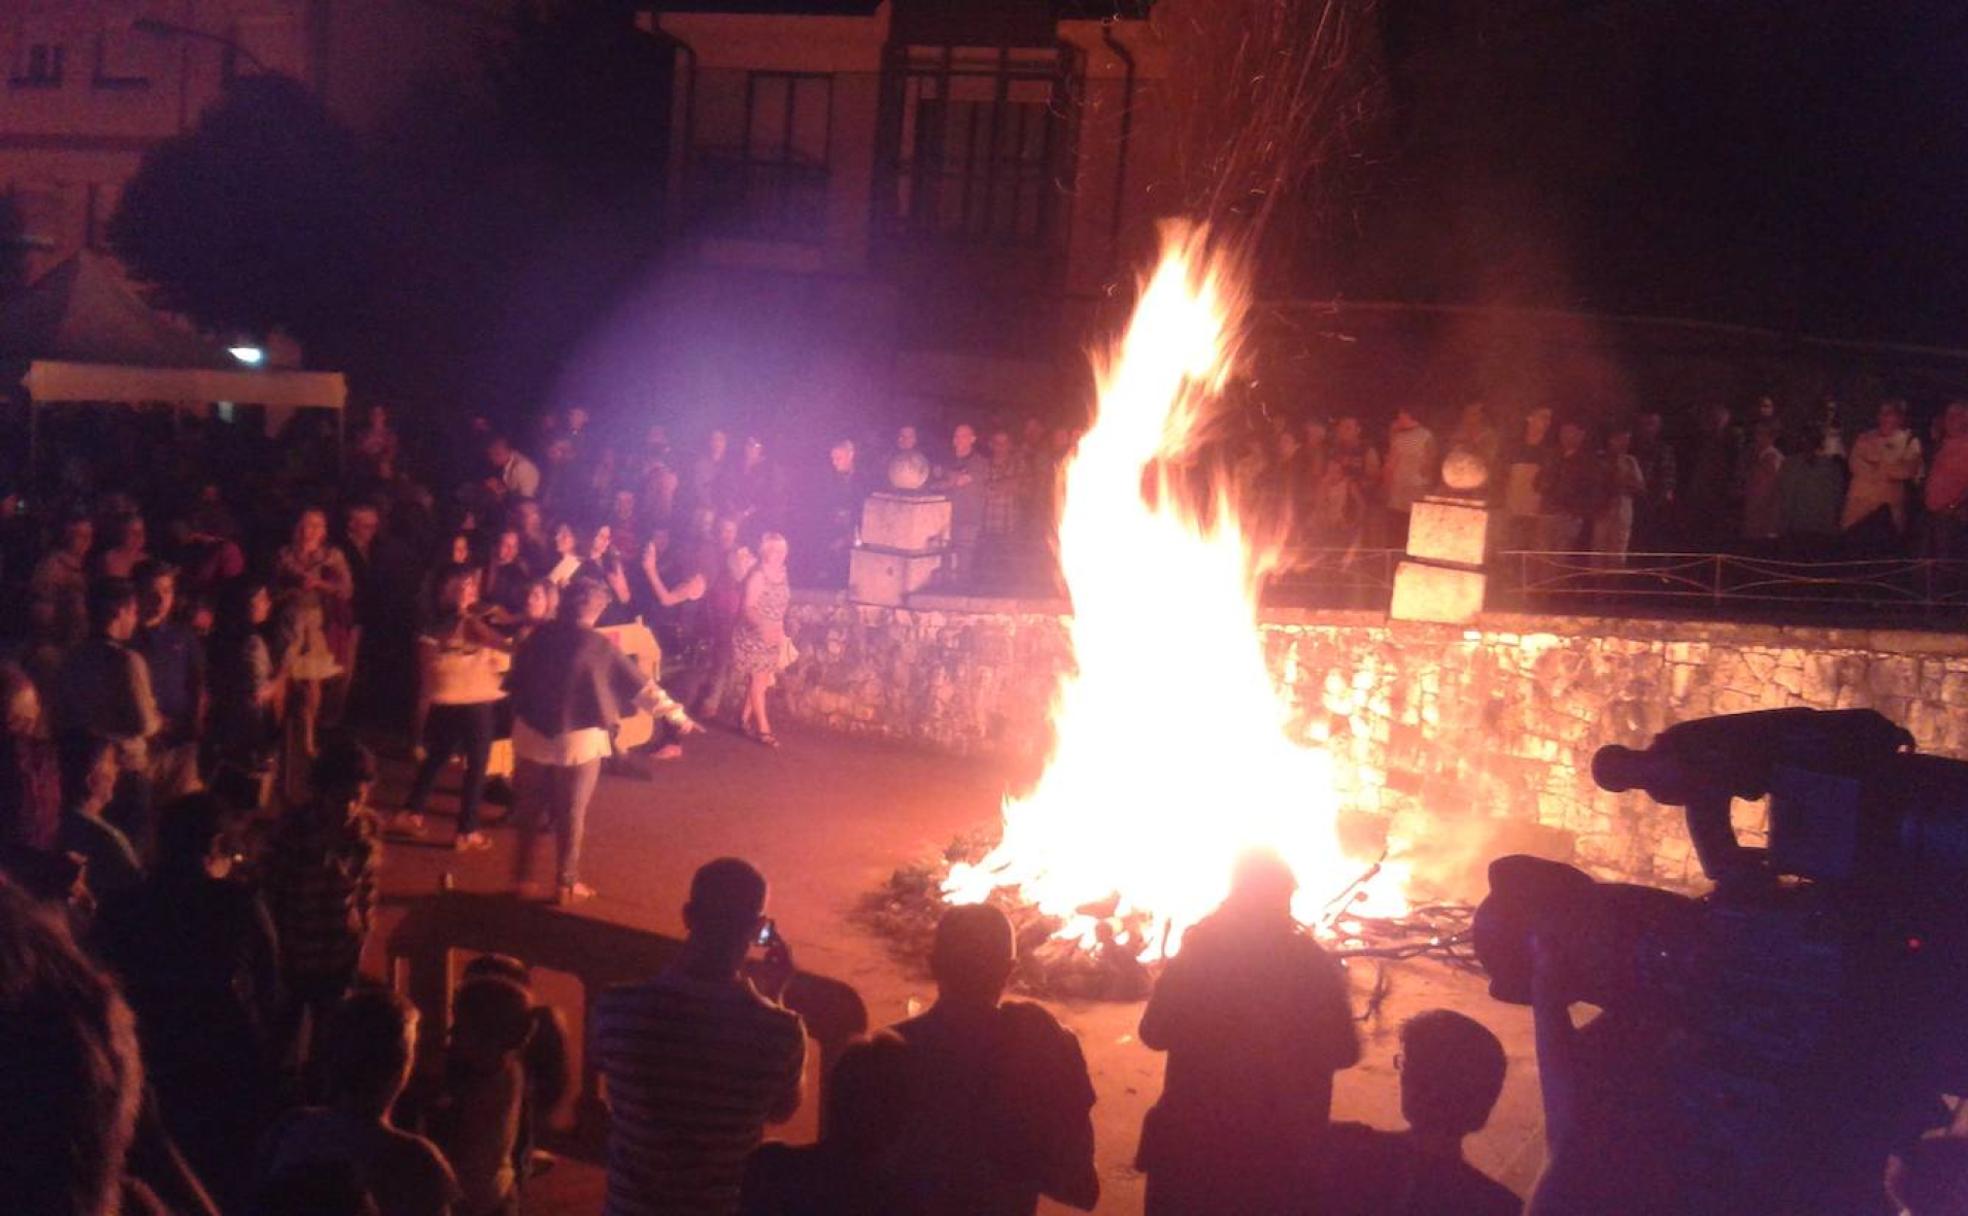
pixel 1172 751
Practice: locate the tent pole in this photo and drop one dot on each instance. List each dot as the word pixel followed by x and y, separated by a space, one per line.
pixel 34 447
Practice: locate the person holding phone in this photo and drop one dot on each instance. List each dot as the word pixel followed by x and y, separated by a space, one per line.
pixel 682 1147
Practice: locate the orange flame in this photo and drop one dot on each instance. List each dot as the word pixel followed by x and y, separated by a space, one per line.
pixel 1172 754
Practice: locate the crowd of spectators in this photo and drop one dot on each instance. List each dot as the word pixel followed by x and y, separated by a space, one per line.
pixel 193 830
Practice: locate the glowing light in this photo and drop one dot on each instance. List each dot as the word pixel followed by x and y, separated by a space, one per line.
pixel 251 356
pixel 1173 750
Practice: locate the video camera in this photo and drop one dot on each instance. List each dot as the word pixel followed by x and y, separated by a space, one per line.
pixel 1817 997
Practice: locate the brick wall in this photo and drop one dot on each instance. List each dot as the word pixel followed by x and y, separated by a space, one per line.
pixel 1460 743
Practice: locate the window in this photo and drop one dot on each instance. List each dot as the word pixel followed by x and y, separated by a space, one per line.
pixel 775 185
pixel 975 142
pixel 40 67
pixel 123 57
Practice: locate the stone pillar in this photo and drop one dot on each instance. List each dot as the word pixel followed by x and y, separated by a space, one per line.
pixel 1442 578
pixel 903 540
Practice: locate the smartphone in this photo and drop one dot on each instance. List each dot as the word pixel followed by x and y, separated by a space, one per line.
pixel 768 934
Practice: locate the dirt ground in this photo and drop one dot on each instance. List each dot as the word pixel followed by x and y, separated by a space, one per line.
pixel 828 818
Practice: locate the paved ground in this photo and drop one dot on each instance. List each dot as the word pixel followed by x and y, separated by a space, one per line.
pixel 828 818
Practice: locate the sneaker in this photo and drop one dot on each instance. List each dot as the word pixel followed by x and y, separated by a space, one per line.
pixel 472 842
pixel 576 893
pixel 410 823
pixel 669 751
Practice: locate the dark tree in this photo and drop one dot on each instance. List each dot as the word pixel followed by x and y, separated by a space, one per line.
pixel 254 220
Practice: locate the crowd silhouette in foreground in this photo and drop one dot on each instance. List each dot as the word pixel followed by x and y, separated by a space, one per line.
pixel 145 1068
pixel 195 830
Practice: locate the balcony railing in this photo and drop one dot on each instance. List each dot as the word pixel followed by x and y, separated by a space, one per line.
pixel 736 196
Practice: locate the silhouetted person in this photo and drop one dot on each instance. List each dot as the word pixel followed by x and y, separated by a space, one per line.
pixel 696 1061
pixel 1451 1076
pixel 481 1104
pixel 1930 1176
pixel 321 881
pixel 103 692
pixel 70 1075
pixel 548 1064
pixel 1255 1019
pixel 1000 1102
pixel 366 1050
pixel 318 1188
pixel 570 688
pixel 197 958
pixel 1611 1131
pixel 852 1170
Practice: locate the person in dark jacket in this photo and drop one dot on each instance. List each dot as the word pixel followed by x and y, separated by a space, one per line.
pixel 570 688
pixel 1255 1019
pixel 196 953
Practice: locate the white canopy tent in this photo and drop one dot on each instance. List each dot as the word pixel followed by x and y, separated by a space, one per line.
pixel 82 334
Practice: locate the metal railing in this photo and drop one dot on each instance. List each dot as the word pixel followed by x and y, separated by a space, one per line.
pixel 1723 584
pixel 1716 585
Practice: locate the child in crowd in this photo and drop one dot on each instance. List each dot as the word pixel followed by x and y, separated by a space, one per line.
pixel 478 1117
pixel 1451 1070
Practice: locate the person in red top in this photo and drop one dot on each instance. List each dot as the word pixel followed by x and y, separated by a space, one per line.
pixel 1946 491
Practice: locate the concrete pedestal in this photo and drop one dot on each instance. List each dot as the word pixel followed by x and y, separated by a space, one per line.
pixel 908 523
pixel 1443 579
pixel 1453 530
pixel 887 576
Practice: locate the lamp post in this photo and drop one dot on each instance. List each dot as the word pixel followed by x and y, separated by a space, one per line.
pixel 168 29
pixel 184 33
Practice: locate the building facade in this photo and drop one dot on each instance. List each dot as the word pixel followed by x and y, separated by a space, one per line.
pixel 969 180
pixel 91 85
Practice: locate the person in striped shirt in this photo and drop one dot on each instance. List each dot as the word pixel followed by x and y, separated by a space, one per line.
pixel 696 1061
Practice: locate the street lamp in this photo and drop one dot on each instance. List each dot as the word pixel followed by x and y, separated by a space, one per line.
pixel 167 29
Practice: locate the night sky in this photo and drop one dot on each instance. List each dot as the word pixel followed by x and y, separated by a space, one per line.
pixel 1797 164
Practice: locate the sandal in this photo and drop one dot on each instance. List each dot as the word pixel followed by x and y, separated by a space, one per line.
pixel 767 738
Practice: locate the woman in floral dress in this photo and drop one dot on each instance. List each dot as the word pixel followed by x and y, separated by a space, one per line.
pixel 760 649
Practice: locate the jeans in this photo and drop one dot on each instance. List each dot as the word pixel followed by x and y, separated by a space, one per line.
pixel 559 794
pixel 450 730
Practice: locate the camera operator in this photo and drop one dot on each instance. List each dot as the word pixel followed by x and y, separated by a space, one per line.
pixel 1611 1142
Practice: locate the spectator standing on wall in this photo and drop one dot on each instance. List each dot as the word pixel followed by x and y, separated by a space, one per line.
pixel 1810 496
pixel 963 478
pixel 1708 492
pixel 1477 435
pixel 1352 469
pixel 1573 488
pixel 1612 527
pixel 1762 487
pixel 1412 465
pixel 1004 481
pixel 1884 462
pixel 1523 479
pixel 1945 493
pixel 1653 515
pixel 1255 1019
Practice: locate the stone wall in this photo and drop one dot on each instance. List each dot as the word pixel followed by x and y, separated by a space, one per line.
pixel 1490 730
